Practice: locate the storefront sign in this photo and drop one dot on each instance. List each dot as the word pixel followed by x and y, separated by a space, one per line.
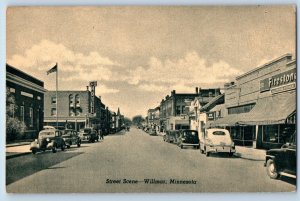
pixel 278 80
pixel 211 116
pixel 93 85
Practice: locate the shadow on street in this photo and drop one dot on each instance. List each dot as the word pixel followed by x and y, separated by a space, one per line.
pixel 20 167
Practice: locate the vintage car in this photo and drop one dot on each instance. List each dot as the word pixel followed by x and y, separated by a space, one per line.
pixel 71 137
pixel 282 161
pixel 152 132
pixel 188 138
pixel 216 140
pixel 171 136
pixel 49 139
pixel 88 135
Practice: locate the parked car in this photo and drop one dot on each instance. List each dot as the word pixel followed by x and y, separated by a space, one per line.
pixel 282 161
pixel 152 132
pixel 188 138
pixel 171 136
pixel 71 137
pixel 49 139
pixel 216 140
pixel 88 135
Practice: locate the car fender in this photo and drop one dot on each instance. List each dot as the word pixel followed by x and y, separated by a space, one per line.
pixel 50 145
pixel 34 145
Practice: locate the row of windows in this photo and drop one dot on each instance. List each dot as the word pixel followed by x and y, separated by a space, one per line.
pixel 240 109
pixel 71 100
pixel 72 112
pixel 22 113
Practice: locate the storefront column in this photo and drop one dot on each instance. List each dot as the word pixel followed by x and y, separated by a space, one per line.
pixel 256 135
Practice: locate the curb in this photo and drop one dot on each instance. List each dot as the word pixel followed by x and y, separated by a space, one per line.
pixel 239 155
pixel 17 155
pixel 16 145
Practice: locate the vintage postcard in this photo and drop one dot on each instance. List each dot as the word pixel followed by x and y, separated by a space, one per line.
pixel 113 99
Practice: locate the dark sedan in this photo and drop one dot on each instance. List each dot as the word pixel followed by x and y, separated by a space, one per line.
pixel 188 138
pixel 282 161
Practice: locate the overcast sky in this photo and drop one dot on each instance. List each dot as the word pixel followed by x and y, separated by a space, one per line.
pixel 139 54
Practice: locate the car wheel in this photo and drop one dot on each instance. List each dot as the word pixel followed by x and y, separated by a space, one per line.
pixel 181 146
pixel 54 149
pixel 68 146
pixel 206 152
pixel 78 144
pixel 201 151
pixel 62 147
pixel 271 169
pixel 230 154
pixel 34 151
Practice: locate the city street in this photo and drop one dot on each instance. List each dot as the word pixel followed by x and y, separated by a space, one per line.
pixel 135 156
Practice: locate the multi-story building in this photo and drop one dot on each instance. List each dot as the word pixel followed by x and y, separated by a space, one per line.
pixel 174 109
pixel 74 109
pixel 261 105
pixel 28 93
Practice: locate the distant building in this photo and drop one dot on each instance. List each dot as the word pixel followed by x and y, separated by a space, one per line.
pixel 174 109
pixel 28 92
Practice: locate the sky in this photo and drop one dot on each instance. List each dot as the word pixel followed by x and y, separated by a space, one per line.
pixel 138 55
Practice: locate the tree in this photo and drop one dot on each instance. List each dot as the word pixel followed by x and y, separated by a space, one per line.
pixel 127 121
pixel 14 127
pixel 137 119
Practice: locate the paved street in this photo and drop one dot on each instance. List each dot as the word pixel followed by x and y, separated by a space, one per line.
pixel 137 156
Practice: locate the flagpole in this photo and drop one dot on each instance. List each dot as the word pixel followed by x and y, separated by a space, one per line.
pixel 56 96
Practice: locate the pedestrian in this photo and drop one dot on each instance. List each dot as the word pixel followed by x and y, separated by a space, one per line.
pixel 101 135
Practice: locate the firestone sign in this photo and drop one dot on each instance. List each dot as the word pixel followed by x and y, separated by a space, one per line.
pixel 278 80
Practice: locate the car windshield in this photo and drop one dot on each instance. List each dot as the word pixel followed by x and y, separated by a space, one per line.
pixel 219 133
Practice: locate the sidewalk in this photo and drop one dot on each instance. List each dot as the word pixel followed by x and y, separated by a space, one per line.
pixel 18 149
pixel 250 153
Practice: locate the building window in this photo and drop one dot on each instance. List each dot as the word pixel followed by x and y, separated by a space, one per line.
pixel 12 90
pixel 178 112
pixel 53 111
pixel 78 111
pixel 183 109
pixel 31 116
pixel 71 100
pixel 77 100
pixel 279 133
pixel 53 100
pixel 38 119
pixel 71 112
pixel 22 113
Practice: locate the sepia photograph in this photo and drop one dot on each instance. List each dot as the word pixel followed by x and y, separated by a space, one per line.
pixel 150 99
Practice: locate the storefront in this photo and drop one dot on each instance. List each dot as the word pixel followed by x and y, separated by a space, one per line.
pixel 262 117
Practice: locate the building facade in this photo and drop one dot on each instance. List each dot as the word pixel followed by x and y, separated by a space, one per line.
pixel 261 105
pixel 75 109
pixel 28 93
pixel 174 109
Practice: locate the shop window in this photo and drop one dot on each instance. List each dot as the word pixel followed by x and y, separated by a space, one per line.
pixel 183 109
pixel 271 134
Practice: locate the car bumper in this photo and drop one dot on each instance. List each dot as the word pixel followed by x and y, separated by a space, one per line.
pixel 220 149
pixel 189 144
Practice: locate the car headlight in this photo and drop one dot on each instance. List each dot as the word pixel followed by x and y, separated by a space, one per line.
pixel 48 140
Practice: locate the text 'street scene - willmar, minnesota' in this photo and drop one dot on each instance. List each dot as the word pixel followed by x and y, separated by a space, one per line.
pixel 113 99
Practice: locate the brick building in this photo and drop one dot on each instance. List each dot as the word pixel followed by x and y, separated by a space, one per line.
pixel 174 109
pixel 28 93
pixel 74 110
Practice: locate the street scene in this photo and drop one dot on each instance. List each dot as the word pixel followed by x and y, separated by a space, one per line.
pixel 87 169
pixel 185 99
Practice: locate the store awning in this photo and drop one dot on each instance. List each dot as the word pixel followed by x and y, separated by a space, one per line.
pixel 269 110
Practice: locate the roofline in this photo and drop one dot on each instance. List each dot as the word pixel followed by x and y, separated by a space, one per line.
pixel 24 72
pixel 265 65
